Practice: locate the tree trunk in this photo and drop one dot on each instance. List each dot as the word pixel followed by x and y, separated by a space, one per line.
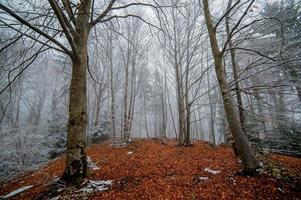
pixel 180 102
pixel 130 115
pixel 145 120
pixel 187 133
pixel 112 98
pixel 235 74
pixel 172 116
pixel 241 143
pixel 211 112
pixel 97 106
pixel 76 163
pixel 260 111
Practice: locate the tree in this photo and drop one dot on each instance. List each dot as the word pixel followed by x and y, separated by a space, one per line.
pixel 132 52
pixel 75 21
pixel 181 41
pixel 235 70
pixel 241 143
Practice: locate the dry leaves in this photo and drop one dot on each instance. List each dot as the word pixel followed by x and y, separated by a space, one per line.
pixel 164 171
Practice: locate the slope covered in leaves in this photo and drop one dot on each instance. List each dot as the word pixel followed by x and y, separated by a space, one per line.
pixel 154 169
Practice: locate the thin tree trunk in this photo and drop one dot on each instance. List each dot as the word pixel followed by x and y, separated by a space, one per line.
pixel 97 108
pixel 202 137
pixel 235 73
pixel 243 147
pixel 172 117
pixel 187 134
pixel 17 120
pixel 130 114
pixel 187 109
pixel 112 91
pixel 125 117
pixel 211 113
pixel 145 120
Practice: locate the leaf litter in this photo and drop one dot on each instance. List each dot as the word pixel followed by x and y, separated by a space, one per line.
pixel 157 171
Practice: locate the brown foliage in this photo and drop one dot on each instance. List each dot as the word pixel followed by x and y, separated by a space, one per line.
pixel 157 171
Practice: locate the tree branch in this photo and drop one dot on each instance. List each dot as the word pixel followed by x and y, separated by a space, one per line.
pixel 226 14
pixel 103 14
pixel 69 11
pixel 23 21
pixel 66 26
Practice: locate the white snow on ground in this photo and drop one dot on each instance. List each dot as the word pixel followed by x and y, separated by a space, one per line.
pixel 203 178
pixel 119 145
pixel 211 171
pixel 91 164
pixel 129 153
pixel 96 186
pixel 18 191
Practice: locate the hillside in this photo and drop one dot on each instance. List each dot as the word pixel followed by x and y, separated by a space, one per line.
pixel 158 169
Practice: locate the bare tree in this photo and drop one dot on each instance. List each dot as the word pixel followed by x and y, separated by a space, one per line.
pixel 241 142
pixel 181 41
pixel 75 21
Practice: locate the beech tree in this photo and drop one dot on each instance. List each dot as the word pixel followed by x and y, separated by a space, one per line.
pixel 75 21
pixel 181 40
pixel 241 142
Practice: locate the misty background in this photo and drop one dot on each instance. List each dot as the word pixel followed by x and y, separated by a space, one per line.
pixel 137 61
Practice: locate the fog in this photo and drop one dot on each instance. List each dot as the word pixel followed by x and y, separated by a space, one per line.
pixel 148 71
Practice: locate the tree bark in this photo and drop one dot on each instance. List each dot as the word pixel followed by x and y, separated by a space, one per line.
pixel 112 93
pixel 211 112
pixel 235 73
pixel 76 162
pixel 145 117
pixel 241 143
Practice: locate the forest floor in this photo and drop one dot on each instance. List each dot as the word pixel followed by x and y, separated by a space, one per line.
pixel 158 169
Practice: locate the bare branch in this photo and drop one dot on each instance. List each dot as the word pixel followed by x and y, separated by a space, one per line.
pixel 236 25
pixel 25 22
pixel 32 37
pixel 130 15
pixel 103 14
pixel 229 9
pixel 31 59
pixel 69 11
pixel 11 43
pixel 66 26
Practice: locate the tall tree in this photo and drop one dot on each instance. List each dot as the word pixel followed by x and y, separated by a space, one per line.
pixel 75 21
pixel 181 41
pixel 241 143
pixel 235 70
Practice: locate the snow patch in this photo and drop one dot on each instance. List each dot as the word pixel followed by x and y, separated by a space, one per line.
pixel 96 186
pixel 129 153
pixel 264 35
pixel 211 171
pixel 119 145
pixel 203 178
pixel 18 191
pixel 91 164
